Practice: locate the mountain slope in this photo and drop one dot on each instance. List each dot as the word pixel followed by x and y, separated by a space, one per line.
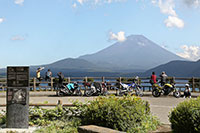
pixel 178 69
pixel 69 65
pixel 137 52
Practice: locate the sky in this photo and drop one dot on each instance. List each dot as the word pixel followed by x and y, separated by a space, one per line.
pixel 35 32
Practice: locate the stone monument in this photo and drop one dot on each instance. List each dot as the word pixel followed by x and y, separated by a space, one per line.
pixel 17 97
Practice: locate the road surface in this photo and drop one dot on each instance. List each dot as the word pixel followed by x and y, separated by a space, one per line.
pixel 160 107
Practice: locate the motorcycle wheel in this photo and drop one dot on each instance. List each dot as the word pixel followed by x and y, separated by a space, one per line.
pixel 177 94
pixel 88 92
pixel 156 93
pixel 139 92
pixel 59 93
pixel 122 93
pixel 78 93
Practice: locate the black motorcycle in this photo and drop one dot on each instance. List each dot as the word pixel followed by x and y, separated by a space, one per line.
pixel 95 89
pixel 69 90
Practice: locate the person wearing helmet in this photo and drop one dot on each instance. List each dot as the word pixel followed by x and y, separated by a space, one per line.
pixel 163 78
pixel 136 80
pixel 187 92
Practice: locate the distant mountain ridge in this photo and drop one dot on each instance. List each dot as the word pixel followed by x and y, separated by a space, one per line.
pixel 178 69
pixel 136 52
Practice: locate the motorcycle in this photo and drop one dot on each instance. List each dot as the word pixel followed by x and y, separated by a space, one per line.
pixel 129 88
pixel 95 89
pixel 165 90
pixel 69 89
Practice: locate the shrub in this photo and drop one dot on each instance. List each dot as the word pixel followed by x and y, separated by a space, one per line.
pixel 130 114
pixel 2 117
pixel 60 127
pixel 41 116
pixel 186 116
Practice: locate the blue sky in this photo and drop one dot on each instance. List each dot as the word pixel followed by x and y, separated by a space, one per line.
pixel 43 31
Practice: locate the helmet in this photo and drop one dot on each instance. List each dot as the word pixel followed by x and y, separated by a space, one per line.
pixel 187 85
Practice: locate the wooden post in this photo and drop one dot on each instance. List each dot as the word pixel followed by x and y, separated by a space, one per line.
pixel 34 84
pixel 193 84
pixel 86 80
pixel 68 80
pixel 59 103
pixel 39 86
pixel 120 80
pixel 52 84
pixel 139 81
pixel 173 79
pixel 103 79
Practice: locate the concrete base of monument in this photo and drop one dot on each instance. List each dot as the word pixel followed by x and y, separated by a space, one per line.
pixel 3 129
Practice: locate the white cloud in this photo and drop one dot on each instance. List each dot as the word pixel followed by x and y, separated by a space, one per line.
pixel 1 20
pixel 174 21
pixel 190 52
pixel 167 7
pixel 19 2
pixel 81 1
pixel 153 1
pixel 192 3
pixel 120 36
pixel 95 2
pixel 74 5
pixel 17 38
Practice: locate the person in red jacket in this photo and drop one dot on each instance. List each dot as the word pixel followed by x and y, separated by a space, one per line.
pixel 153 78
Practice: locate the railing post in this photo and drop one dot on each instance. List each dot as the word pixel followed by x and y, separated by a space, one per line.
pixel 193 84
pixel 173 79
pixel 59 103
pixel 68 80
pixel 103 79
pixel 34 84
pixel 120 80
pixel 52 84
pixel 40 86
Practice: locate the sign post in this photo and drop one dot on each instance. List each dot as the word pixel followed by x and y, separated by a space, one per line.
pixel 17 97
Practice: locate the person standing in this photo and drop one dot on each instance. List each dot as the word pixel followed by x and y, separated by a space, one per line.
pixel 163 78
pixel 60 79
pixel 187 92
pixel 48 75
pixel 153 79
pixel 38 76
